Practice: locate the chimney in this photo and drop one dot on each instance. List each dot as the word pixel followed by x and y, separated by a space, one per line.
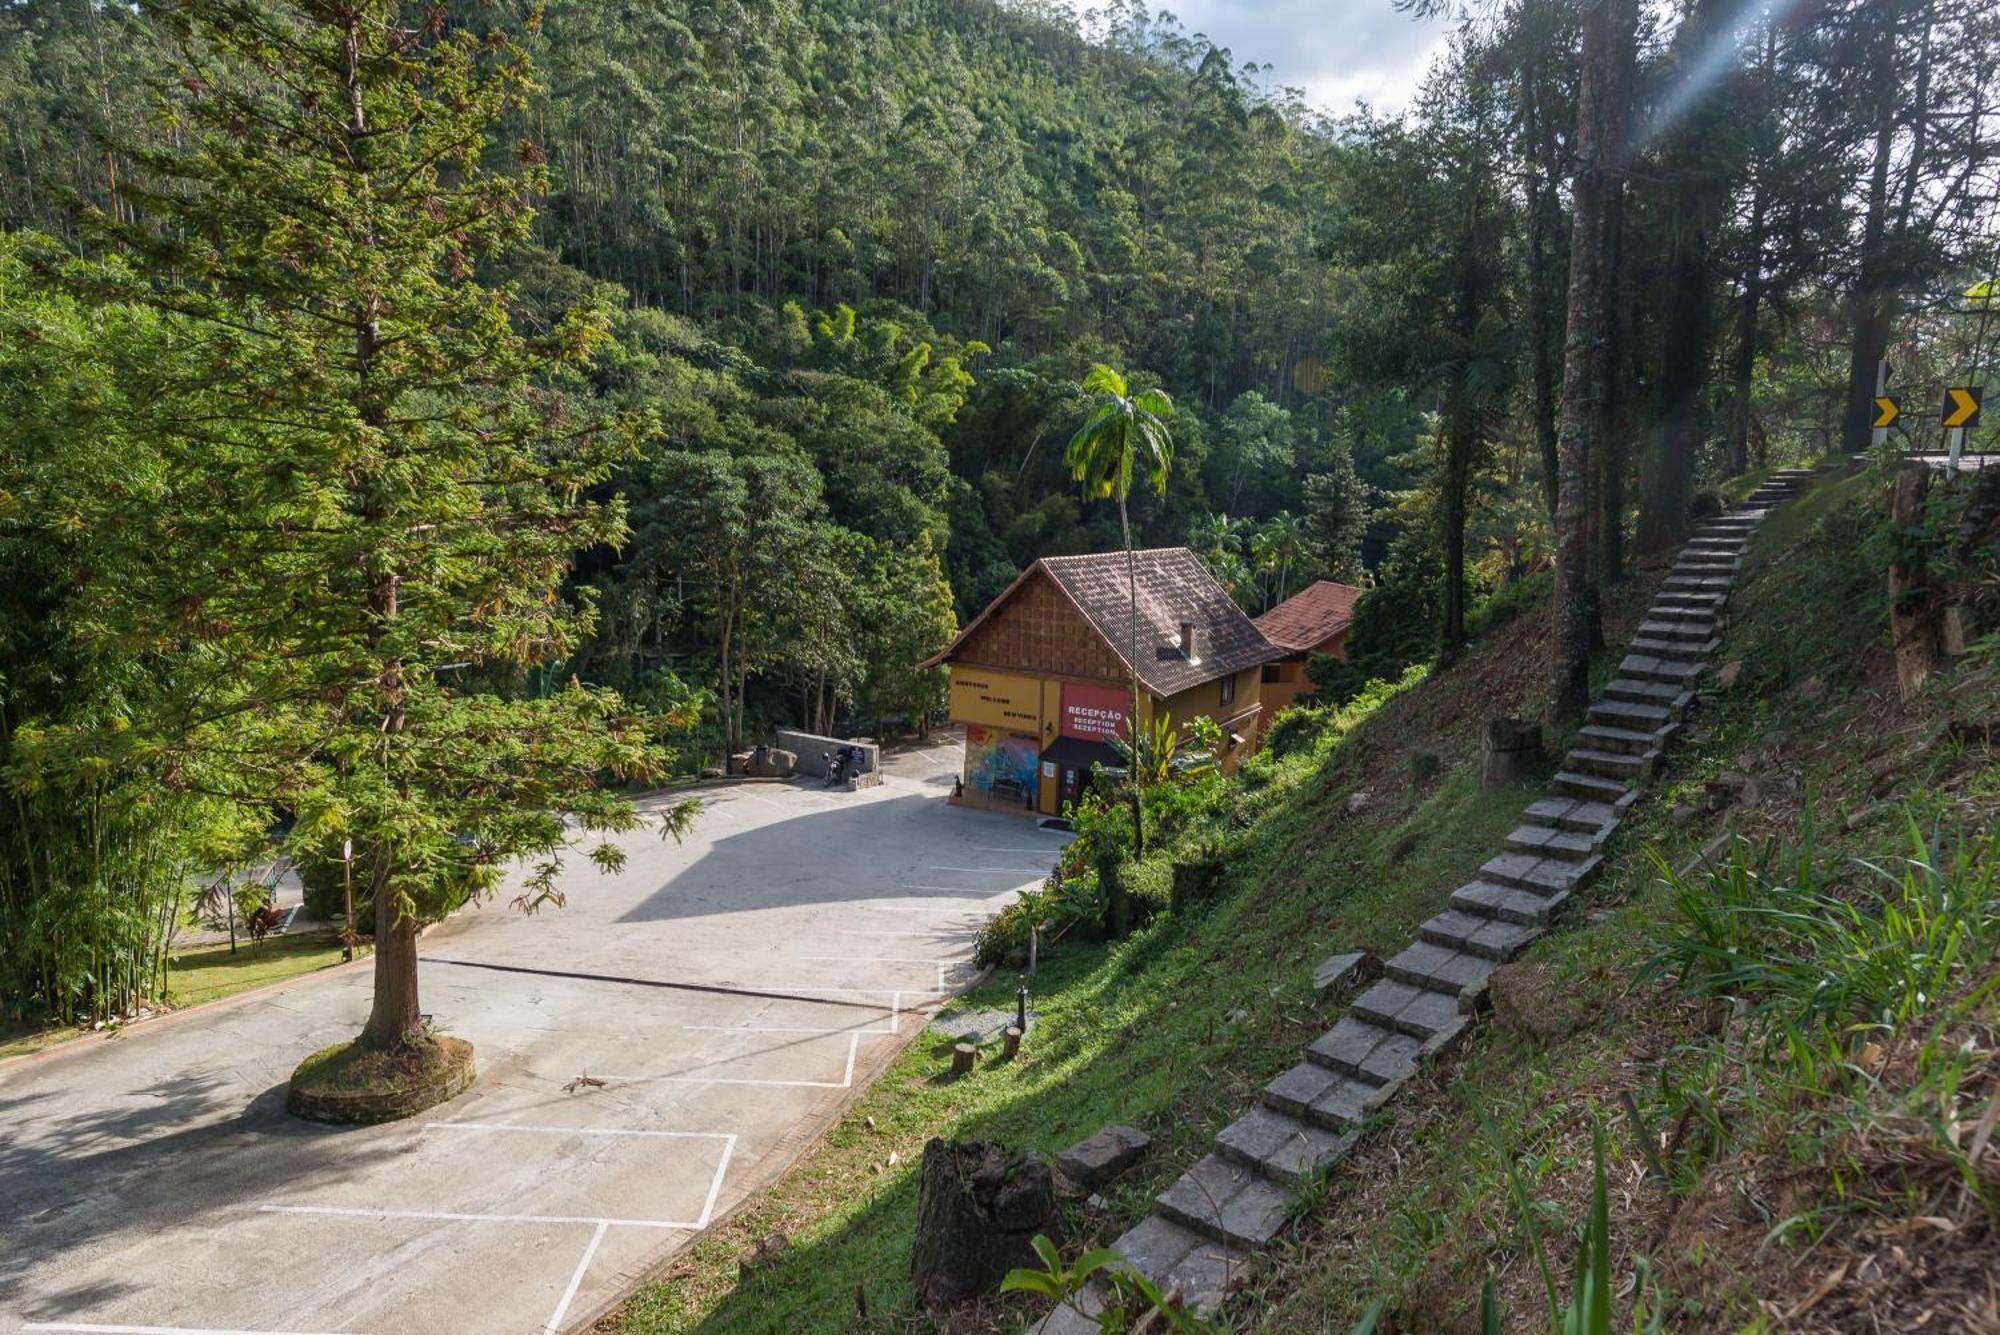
pixel 1190 642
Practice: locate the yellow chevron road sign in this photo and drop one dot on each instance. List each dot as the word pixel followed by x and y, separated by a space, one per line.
pixel 1961 406
pixel 1887 409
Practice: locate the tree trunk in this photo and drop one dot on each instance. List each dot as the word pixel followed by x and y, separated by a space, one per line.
pixel 1544 293
pixel 1608 27
pixel 1669 489
pixel 396 1014
pixel 1870 302
pixel 1132 720
pixel 1460 439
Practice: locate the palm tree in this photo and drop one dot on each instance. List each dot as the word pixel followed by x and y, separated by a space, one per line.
pixel 1124 433
pixel 1285 536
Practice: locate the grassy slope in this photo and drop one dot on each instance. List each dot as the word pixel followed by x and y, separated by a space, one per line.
pixel 202 974
pixel 1781 1193
pixel 1142 1033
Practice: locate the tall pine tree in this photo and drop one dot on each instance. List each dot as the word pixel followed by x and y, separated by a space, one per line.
pixel 356 496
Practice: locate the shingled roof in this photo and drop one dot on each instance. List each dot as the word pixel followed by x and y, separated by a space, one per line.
pixel 1310 617
pixel 1174 587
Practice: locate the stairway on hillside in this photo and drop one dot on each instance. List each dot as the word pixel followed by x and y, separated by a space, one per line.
pixel 1203 1228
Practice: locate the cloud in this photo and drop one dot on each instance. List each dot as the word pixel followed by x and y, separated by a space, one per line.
pixel 1336 50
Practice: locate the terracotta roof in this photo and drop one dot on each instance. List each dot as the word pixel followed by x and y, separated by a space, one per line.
pixel 1174 587
pixel 1310 617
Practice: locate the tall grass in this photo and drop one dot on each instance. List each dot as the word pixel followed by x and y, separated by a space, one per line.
pixel 1856 948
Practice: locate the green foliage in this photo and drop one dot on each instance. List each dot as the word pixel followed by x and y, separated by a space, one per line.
pixel 1781 927
pixel 1130 1295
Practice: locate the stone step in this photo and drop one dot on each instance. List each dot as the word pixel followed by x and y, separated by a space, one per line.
pixel 1325 1097
pixel 1611 764
pixel 1489 938
pixel 1566 845
pixel 1595 787
pixel 1614 713
pixel 1408 1008
pixel 1282 1147
pixel 1598 819
pixel 1695 584
pixel 1632 741
pixel 1737 522
pixel 1647 644
pixel 1701 604
pixel 1717 567
pixel 1638 691
pixel 1202 1267
pixel 1441 969
pixel 1229 1202
pixel 1702 613
pixel 1508 903
pixel 1543 875
pixel 1695 627
pixel 1369 1051
pixel 1379 1055
pixel 1655 667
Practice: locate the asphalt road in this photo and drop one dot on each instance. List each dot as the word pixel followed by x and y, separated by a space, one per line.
pixel 732 993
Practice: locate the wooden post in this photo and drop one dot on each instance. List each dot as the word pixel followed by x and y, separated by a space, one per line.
pixel 962 1056
pixel 1012 1043
pixel 1913 625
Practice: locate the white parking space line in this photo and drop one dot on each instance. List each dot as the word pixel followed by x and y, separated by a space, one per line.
pixel 95 1329
pixel 575 1279
pixel 846 1079
pixel 462 1216
pixel 1011 871
pixel 1046 848
pixel 892 959
pixel 576 1130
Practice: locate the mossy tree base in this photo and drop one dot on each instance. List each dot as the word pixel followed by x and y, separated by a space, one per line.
pixel 348 1083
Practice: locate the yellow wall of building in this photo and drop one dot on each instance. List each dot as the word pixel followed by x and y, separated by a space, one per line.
pixel 1206 699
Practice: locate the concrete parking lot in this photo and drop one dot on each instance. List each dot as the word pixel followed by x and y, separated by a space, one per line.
pixel 731 993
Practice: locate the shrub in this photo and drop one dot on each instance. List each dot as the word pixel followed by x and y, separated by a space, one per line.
pixel 1295 730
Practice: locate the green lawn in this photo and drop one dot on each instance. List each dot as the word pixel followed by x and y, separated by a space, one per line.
pixel 202 974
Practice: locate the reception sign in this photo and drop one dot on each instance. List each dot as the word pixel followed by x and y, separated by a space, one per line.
pixel 1094 713
pixel 996 699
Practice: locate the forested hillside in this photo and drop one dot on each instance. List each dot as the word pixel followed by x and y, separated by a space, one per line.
pixel 863 252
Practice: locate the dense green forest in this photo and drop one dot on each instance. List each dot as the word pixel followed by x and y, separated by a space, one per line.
pixel 828 273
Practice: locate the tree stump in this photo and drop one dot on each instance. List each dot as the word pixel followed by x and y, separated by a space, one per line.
pixel 1913 602
pixel 1011 1044
pixel 962 1057
pixel 1509 749
pixel 977 1213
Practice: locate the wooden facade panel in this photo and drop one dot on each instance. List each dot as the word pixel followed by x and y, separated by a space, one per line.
pixel 1040 631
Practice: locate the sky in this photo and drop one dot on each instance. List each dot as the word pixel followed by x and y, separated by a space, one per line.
pixel 1336 50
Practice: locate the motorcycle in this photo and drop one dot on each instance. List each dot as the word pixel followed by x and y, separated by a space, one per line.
pixel 835 765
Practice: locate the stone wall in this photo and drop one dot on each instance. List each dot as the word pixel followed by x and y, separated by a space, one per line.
pixel 809 747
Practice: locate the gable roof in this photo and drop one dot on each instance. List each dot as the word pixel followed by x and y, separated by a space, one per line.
pixel 1310 617
pixel 1173 587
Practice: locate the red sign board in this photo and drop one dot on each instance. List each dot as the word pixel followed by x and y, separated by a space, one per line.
pixel 1094 713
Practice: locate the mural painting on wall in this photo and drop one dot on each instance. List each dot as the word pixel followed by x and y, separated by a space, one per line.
pixel 1094 713
pixel 1001 766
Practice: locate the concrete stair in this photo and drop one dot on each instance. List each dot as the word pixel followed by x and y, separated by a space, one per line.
pixel 1208 1223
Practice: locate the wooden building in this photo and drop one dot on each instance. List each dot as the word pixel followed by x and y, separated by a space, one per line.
pixel 1039 679
pixel 1315 620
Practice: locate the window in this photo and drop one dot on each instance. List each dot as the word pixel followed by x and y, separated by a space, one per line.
pixel 1229 688
pixel 1270 673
